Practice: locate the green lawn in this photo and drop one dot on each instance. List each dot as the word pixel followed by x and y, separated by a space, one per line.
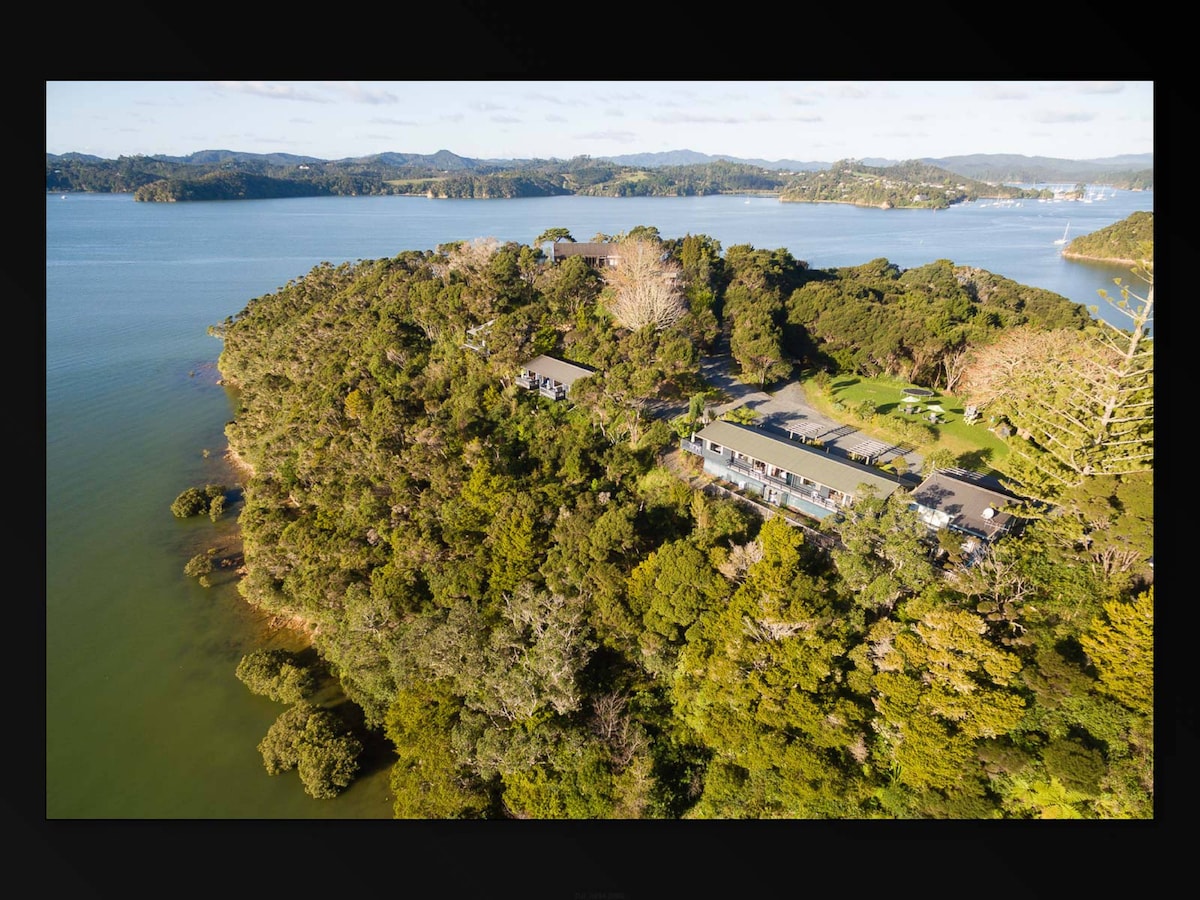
pixel 974 446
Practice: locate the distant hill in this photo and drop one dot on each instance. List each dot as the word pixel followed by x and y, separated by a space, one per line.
pixel 993 167
pixel 982 166
pixel 74 157
pixel 446 174
pixel 210 157
pixel 443 161
pixel 692 158
pixel 1129 170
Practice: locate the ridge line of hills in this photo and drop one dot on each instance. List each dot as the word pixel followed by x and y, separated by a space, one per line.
pixel 985 166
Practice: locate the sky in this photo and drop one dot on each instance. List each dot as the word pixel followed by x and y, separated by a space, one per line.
pixel 808 121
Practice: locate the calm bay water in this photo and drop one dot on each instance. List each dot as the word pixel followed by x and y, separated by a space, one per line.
pixel 144 716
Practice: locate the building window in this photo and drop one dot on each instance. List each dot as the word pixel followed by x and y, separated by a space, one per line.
pixel 714 446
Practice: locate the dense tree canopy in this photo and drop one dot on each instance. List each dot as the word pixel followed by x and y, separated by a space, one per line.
pixel 544 621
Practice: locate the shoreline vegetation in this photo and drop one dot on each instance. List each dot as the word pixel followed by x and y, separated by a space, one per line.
pixel 1114 260
pixel 1121 243
pixel 243 468
pixel 300 627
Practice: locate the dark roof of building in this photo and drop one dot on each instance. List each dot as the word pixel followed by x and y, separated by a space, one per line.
pixel 558 369
pixel 966 502
pixel 563 249
pixel 815 465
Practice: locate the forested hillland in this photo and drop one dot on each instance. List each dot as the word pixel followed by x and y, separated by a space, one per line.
pixel 542 617
pixel 1122 242
pixel 224 175
pixel 907 185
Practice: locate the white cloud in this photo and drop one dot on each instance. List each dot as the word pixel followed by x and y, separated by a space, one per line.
pixel 621 137
pixel 1101 87
pixel 1053 117
pixel 271 91
pixel 1003 92
pixel 844 91
pixel 697 119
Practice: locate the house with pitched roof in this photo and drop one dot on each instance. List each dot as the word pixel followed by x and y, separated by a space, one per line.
pixel 784 472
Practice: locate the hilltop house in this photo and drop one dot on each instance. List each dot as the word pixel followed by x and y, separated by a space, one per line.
pixel 596 255
pixel 783 472
pixel 961 501
pixel 551 377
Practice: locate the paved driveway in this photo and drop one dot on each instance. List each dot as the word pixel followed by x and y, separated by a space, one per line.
pixel 787 405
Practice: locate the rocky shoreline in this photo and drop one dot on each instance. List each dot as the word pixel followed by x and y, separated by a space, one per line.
pixel 238 462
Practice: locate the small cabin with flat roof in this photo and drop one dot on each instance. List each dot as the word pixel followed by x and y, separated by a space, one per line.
pixel 551 377
pixel 596 255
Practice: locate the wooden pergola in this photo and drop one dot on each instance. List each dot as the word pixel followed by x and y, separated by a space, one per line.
pixel 869 451
pixel 806 431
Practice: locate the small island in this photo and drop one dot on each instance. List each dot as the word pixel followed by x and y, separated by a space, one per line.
pixel 909 185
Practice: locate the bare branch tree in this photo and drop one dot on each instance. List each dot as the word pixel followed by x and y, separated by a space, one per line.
pixel 954 364
pixel 741 557
pixel 1084 398
pixel 473 256
pixel 645 286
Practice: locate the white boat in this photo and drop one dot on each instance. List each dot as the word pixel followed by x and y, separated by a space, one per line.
pixel 1063 239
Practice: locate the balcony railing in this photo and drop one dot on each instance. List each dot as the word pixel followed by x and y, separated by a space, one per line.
pixel 795 490
pixel 696 447
pixel 760 474
pixel 813 498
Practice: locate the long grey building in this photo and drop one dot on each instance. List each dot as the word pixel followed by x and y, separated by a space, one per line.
pixel 784 472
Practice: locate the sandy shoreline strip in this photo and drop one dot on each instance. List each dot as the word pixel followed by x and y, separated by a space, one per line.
pixel 236 460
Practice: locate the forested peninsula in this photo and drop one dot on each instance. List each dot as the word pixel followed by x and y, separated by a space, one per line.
pixel 906 186
pixel 539 608
pixel 1123 242
pixel 222 175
